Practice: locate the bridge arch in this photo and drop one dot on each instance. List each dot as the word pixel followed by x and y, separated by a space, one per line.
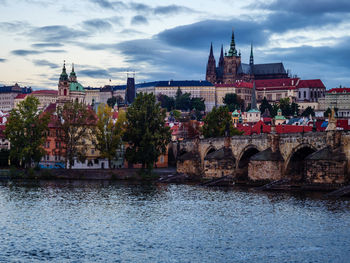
pixel 295 163
pixel 243 160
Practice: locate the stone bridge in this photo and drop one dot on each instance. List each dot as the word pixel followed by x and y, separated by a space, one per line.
pixel 317 157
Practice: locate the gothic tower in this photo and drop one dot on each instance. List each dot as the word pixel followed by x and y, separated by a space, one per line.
pixel 211 67
pixel 231 62
pixel 251 59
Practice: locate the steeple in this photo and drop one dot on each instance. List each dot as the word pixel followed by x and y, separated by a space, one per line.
pixel 251 60
pixel 221 60
pixel 253 103
pixel 232 52
pixel 73 76
pixel 211 66
pixel 64 76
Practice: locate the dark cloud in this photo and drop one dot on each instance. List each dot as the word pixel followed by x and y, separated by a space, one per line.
pixel 140 7
pixel 139 20
pixel 25 52
pixel 106 4
pixel 308 7
pixel 43 45
pixel 95 73
pixel 97 25
pixel 172 10
pixel 43 62
pixel 2 60
pixel 57 33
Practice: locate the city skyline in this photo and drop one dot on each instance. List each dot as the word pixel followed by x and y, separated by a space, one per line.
pixel 168 40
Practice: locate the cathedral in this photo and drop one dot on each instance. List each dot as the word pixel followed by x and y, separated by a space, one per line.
pixel 230 67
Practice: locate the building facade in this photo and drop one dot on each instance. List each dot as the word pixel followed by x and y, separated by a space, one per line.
pixel 337 98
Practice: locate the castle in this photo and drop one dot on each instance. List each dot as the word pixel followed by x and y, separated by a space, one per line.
pixel 230 67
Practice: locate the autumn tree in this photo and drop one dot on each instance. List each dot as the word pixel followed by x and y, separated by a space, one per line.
pixel 219 123
pixel 26 130
pixel 108 132
pixel 75 122
pixel 146 133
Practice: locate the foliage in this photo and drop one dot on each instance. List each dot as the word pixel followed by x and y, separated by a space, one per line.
pixel 218 122
pixel 288 109
pixel 26 129
pixel 112 101
pixel 265 105
pixel 294 107
pixel 108 134
pixel 166 102
pixel 146 133
pixel 328 112
pixel 197 104
pixel 233 102
pixel 176 114
pixel 75 123
pixel 308 111
pixel 182 101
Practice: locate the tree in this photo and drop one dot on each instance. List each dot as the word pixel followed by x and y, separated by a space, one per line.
pixel 308 111
pixel 233 102
pixel 182 101
pixel 327 113
pixel 166 102
pixel 197 104
pixel 294 107
pixel 26 130
pixel 108 134
pixel 284 105
pixel 218 122
pixel 146 133
pixel 75 122
pixel 265 105
pixel 112 101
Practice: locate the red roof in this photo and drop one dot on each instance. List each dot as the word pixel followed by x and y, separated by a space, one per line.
pixel 311 83
pixel 269 83
pixel 238 84
pixel 339 90
pixel 45 92
pixel 21 96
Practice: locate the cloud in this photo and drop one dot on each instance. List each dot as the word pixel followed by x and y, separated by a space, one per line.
pixel 172 10
pixel 43 62
pixel 97 25
pixel 2 60
pixel 25 52
pixel 95 73
pixel 139 20
pixel 106 4
pixel 14 26
pixel 43 45
pixel 56 33
pixel 308 7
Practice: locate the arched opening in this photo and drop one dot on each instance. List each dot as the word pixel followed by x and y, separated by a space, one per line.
pixel 65 92
pixel 211 150
pixel 297 164
pixel 242 171
pixel 171 157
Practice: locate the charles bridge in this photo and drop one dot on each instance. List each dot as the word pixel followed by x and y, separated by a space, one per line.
pixel 313 157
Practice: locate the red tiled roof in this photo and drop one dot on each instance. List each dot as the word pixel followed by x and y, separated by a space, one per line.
pixel 339 90
pixel 45 92
pixel 269 83
pixel 238 84
pixel 311 83
pixel 21 96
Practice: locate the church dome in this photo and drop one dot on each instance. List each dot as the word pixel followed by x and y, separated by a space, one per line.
pixel 76 86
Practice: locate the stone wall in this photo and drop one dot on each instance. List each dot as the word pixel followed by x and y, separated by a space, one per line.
pixel 190 167
pixel 218 168
pixel 326 171
pixel 265 170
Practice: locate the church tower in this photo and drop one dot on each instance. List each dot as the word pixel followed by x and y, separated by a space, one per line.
pixel 63 84
pixel 211 67
pixel 231 62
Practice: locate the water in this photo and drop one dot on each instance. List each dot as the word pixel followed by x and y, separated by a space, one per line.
pixel 111 222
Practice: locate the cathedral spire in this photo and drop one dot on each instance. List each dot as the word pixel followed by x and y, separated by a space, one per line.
pixel 221 60
pixel 211 66
pixel 253 103
pixel 232 52
pixel 251 60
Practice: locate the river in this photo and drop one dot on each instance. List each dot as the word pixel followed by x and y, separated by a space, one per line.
pixel 96 221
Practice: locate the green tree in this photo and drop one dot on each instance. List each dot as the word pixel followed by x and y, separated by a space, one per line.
pixel 166 102
pixel 308 111
pixel 233 101
pixel 112 101
pixel 146 133
pixel 265 105
pixel 218 122
pixel 197 104
pixel 26 130
pixel 327 113
pixel 285 106
pixel 75 122
pixel 294 107
pixel 108 134
pixel 182 100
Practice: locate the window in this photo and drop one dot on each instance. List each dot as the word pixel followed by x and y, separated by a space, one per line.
pixel 299 94
pixel 304 94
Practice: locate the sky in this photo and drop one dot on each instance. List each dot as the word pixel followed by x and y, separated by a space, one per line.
pixel 164 40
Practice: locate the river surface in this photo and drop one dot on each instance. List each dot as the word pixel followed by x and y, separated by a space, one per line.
pixel 92 221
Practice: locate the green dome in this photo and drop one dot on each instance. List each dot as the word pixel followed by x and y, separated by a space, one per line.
pixel 76 86
pixel 235 113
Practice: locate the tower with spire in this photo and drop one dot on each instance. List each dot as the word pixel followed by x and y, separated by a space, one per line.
pixel 251 59
pixel 63 84
pixel 232 62
pixel 211 66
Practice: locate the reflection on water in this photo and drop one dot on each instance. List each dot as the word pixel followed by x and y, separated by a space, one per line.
pixel 102 221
